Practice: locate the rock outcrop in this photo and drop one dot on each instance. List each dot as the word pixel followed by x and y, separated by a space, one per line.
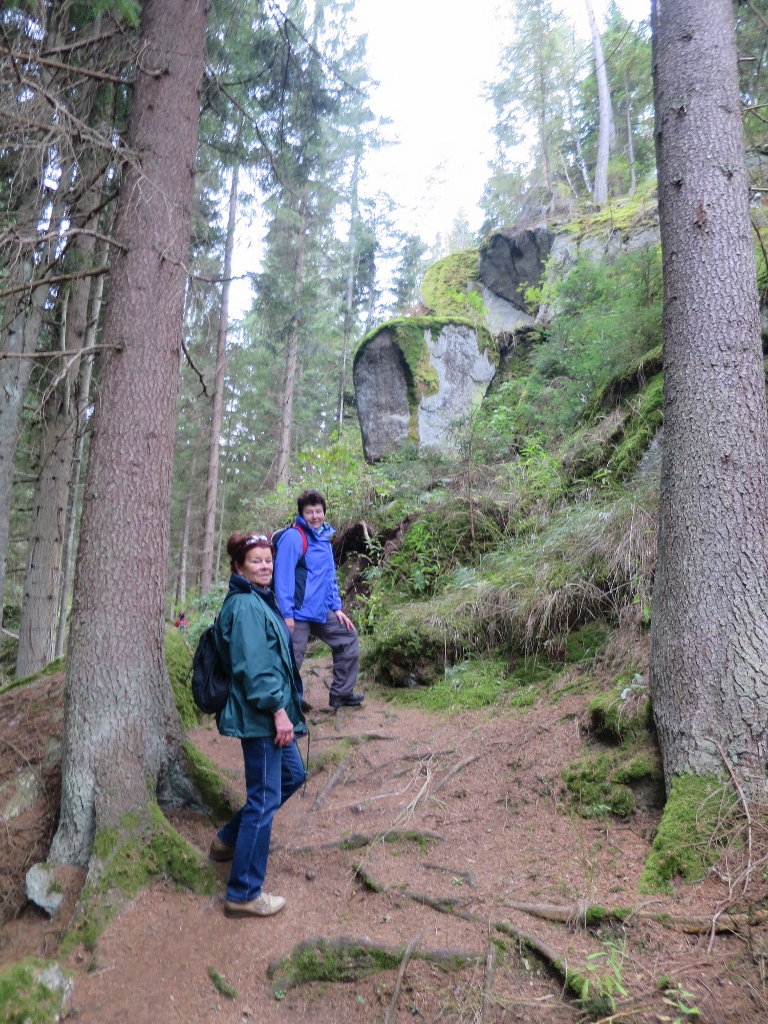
pixel 416 379
pixel 512 261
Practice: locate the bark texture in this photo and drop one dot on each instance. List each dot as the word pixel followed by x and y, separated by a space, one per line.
pixel 121 730
pixel 212 486
pixel 709 649
pixel 606 120
pixel 40 604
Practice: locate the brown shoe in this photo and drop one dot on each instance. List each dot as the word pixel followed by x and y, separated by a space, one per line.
pixel 220 851
pixel 264 905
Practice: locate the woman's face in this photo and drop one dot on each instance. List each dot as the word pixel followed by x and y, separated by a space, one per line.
pixel 257 567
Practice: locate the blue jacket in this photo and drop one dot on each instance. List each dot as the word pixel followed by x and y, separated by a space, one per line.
pixel 321 593
pixel 255 645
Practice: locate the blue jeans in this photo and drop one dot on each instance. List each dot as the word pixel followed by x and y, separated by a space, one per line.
pixel 272 774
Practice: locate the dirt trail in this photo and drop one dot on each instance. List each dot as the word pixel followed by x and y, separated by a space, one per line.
pixel 504 839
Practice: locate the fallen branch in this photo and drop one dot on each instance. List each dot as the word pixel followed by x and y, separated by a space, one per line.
pixel 424 756
pixel 454 771
pixel 356 739
pixel 490 971
pixel 330 785
pixel 399 979
pixel 466 876
pixel 7 632
pixel 346 958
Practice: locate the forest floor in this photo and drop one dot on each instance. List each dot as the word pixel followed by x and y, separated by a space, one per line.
pixel 487 784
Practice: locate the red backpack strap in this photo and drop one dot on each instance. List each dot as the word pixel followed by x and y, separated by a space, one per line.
pixel 304 542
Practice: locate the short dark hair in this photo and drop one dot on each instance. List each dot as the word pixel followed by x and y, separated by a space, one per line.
pixel 310 497
pixel 239 544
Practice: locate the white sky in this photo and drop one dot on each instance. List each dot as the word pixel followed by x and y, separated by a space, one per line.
pixel 430 58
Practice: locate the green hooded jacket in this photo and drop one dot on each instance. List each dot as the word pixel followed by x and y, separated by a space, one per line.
pixel 254 644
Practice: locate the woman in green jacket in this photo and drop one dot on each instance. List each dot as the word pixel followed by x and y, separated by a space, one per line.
pixel 264 712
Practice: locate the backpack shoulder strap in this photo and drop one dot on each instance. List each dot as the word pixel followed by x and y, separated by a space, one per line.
pixel 304 542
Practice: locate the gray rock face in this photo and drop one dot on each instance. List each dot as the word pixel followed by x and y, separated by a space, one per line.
pixel 457 375
pixel 502 316
pixel 20 793
pixel 464 374
pixel 39 881
pixel 509 264
pixel 381 393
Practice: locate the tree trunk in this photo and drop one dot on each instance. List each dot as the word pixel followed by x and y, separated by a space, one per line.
pixel 221 522
pixel 630 141
pixel 579 152
pixel 709 647
pixel 350 291
pixel 184 552
pixel 83 395
pixel 543 135
pixel 40 604
pixel 291 351
pixel 604 99
pixel 121 727
pixel 209 527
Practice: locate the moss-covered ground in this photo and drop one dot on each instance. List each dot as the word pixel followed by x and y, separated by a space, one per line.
pixel 141 849
pixel 24 996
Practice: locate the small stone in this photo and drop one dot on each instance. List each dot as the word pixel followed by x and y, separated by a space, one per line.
pixel 247 1011
pixel 39 881
pixel 357 809
pixel 56 980
pixel 309 875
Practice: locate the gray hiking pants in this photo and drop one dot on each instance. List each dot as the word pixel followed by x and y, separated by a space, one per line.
pixel 343 644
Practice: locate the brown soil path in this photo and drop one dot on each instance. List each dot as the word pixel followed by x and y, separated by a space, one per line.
pixel 504 840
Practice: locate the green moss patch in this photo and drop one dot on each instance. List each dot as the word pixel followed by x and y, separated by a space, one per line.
pixel 345 959
pixel 622 712
pixel 626 382
pixel 178 660
pixel 690 831
pixel 594 793
pixel 647 417
pixel 450 286
pixel 221 985
pixel 140 850
pixel 212 786
pixel 32 992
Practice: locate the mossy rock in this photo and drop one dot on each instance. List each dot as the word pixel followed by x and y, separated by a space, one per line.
pixel 141 849
pixel 622 712
pixel 33 992
pixel 594 794
pixel 406 651
pixel 450 286
pixel 178 661
pixel 688 839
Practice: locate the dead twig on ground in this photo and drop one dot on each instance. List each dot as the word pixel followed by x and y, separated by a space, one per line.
pixel 455 771
pixel 400 975
pixel 330 785
pixel 745 805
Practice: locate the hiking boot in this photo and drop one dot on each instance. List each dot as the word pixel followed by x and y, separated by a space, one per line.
pixel 350 700
pixel 220 851
pixel 264 905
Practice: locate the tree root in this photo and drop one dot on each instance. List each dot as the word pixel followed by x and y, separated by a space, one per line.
pixel 490 971
pixel 465 876
pixel 575 981
pixel 358 841
pixel 422 756
pixel 595 915
pixel 348 959
pixel 356 738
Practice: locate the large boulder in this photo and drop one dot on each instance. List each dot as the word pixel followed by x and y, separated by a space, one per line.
pixel 416 379
pixel 511 261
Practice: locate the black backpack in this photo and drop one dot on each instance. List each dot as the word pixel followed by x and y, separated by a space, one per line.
pixel 210 679
pixel 301 565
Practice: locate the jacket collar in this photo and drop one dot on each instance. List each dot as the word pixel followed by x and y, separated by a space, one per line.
pixel 239 584
pixel 325 532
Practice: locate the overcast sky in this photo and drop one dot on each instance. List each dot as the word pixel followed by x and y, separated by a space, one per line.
pixel 430 58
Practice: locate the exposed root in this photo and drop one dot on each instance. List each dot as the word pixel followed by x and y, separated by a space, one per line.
pixel 358 841
pixel 346 958
pixel 594 915
pixel 356 738
pixel 399 979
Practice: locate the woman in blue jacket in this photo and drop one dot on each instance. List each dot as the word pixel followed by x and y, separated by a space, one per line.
pixel 264 712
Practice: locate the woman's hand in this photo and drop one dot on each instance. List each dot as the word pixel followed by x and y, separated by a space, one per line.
pixel 291 624
pixel 284 729
pixel 345 622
